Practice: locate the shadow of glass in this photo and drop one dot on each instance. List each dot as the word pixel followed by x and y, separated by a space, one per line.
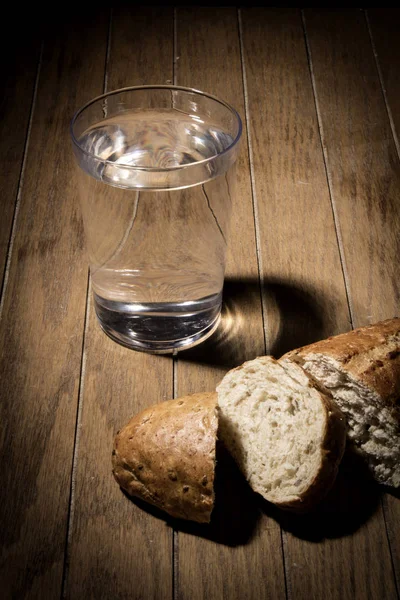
pixel 235 513
pixel 296 316
pixel 240 312
pixel 302 315
pixel 353 499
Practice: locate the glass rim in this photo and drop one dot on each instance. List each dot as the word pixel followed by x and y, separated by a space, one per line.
pixel 226 150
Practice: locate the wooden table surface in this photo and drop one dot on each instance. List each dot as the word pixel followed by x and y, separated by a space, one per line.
pixel 314 251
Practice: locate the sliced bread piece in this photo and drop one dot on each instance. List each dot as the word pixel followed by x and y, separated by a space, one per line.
pixel 361 369
pixel 166 456
pixel 286 436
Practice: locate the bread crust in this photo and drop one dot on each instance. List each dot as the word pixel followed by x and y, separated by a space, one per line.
pixel 165 455
pixel 371 355
pixel 332 450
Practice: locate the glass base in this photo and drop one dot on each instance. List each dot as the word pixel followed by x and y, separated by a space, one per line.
pixel 159 328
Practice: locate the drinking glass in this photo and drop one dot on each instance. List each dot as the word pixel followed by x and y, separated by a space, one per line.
pixel 156 181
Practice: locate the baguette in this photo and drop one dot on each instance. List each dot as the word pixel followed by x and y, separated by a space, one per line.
pixel 361 369
pixel 285 435
pixel 165 455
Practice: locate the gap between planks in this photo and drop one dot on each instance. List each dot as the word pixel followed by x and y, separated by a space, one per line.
pixel 20 184
pixel 108 51
pixel 71 506
pixel 328 174
pixel 380 75
pixel 396 142
pixel 333 205
pixel 267 343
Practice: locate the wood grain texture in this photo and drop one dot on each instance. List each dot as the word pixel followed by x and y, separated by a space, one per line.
pixel 391 508
pixel 362 160
pixel 299 245
pixel 18 81
pixel 298 241
pixel 118 549
pixel 385 25
pixel 364 165
pixel 42 326
pixel 239 555
pixel 115 547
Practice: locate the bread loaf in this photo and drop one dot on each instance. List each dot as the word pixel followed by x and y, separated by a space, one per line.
pixel 361 369
pixel 283 421
pixel 166 456
pixel 286 436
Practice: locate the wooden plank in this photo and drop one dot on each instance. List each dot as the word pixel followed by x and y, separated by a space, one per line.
pixel 362 159
pixel 365 174
pixel 42 325
pixel 18 80
pixel 239 555
pixel 384 26
pixel 391 507
pixel 127 548
pixel 300 248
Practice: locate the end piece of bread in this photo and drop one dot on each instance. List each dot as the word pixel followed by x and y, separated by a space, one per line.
pixel 361 369
pixel 166 456
pixel 286 436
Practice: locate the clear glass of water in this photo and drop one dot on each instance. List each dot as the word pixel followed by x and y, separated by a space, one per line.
pixel 156 181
